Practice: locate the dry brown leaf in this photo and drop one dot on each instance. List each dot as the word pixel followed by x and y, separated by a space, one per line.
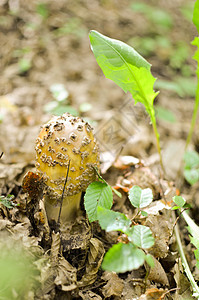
pixel 88 295
pixel 95 257
pixel 162 230
pixel 157 273
pixel 114 285
pixel 66 275
pixel 153 294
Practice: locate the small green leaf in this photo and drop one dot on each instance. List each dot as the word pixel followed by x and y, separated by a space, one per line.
pixel 179 200
pixel 141 236
pixel 165 114
pixel 191 159
pixel 140 198
pixel 97 194
pixel 192 176
pixel 7 201
pixel 191 168
pixel 122 258
pixel 112 221
pixel 196 15
pixel 150 261
pixel 144 213
pixel 116 192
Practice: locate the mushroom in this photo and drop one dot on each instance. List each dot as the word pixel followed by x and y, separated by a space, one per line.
pixel 66 147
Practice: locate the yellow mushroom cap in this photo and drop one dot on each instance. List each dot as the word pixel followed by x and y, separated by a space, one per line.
pixel 62 139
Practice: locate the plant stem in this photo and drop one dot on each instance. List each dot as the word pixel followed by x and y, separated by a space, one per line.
pixel 157 142
pixel 185 264
pixel 194 116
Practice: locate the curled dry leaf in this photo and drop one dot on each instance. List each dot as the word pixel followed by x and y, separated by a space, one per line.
pixel 114 285
pixel 95 257
pixel 157 273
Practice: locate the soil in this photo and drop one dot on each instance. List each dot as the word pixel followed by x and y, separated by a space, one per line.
pixel 46 43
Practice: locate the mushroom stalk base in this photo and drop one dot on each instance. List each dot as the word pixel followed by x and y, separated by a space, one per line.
pixel 70 207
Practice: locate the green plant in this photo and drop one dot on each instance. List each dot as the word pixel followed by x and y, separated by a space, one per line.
pixel 191 166
pixel 7 201
pixel 194 237
pixel 131 72
pixel 130 253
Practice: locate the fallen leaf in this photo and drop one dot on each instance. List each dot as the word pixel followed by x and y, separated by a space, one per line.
pixel 114 285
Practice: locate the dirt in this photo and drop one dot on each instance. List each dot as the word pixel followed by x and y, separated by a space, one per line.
pixel 44 43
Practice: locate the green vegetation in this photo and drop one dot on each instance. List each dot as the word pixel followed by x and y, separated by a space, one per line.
pixel 128 69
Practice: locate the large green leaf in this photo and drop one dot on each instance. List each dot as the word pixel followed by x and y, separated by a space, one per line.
pixel 123 257
pixel 140 198
pixel 97 194
pixel 112 221
pixel 127 68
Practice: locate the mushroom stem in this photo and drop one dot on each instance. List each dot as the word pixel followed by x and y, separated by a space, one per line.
pixel 69 208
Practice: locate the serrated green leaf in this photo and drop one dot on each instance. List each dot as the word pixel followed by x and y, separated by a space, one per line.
pixel 127 68
pixel 196 15
pixel 140 198
pixel 112 221
pixel 141 236
pixel 122 258
pixel 179 200
pixel 97 194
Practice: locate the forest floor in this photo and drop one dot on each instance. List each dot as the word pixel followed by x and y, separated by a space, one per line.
pixel 44 43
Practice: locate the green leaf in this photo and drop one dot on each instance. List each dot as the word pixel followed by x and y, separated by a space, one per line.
pixel 192 176
pixel 165 114
pixel 179 200
pixel 191 168
pixel 150 261
pixel 192 227
pixel 122 258
pixel 116 192
pixel 140 198
pixel 112 221
pixel 196 15
pixel 196 253
pixel 141 236
pixel 7 201
pixel 97 194
pixel 191 159
pixel 127 68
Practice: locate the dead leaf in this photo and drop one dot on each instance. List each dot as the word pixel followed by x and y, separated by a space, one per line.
pixel 66 278
pixel 153 294
pixel 89 295
pixel 157 273
pixel 114 285
pixel 162 230
pixel 95 257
